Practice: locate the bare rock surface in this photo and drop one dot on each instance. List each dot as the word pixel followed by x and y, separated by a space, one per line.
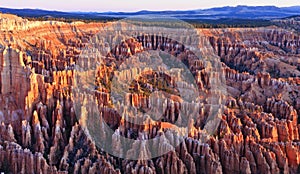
pixel 41 133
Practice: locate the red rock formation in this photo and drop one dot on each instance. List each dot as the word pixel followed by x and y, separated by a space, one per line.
pixel 40 133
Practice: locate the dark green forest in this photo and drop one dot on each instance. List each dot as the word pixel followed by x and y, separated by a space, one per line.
pixel 197 23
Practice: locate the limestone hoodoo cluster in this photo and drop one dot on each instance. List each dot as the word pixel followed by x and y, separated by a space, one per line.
pixel 41 133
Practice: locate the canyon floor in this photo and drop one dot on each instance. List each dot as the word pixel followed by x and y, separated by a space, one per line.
pixel 245 116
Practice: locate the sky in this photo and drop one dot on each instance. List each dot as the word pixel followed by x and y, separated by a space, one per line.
pixel 136 5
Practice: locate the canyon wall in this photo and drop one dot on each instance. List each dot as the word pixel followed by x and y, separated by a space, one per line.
pixel 40 132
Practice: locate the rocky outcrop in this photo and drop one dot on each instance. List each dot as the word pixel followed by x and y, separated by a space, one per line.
pixel 42 131
pixel 15 159
pixel 269 51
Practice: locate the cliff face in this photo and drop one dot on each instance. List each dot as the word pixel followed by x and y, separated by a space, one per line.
pixel 271 50
pixel 258 131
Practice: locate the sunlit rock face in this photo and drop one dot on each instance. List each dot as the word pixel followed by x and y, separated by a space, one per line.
pixel 41 131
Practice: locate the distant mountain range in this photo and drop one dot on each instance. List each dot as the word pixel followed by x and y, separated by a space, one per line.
pixel 244 12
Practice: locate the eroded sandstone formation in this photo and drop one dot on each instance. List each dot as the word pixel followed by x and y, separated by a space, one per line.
pixel 41 133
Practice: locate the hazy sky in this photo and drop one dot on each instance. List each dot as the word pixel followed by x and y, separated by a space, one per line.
pixel 136 5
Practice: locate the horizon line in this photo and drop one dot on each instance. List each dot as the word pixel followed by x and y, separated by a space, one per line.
pixel 71 11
